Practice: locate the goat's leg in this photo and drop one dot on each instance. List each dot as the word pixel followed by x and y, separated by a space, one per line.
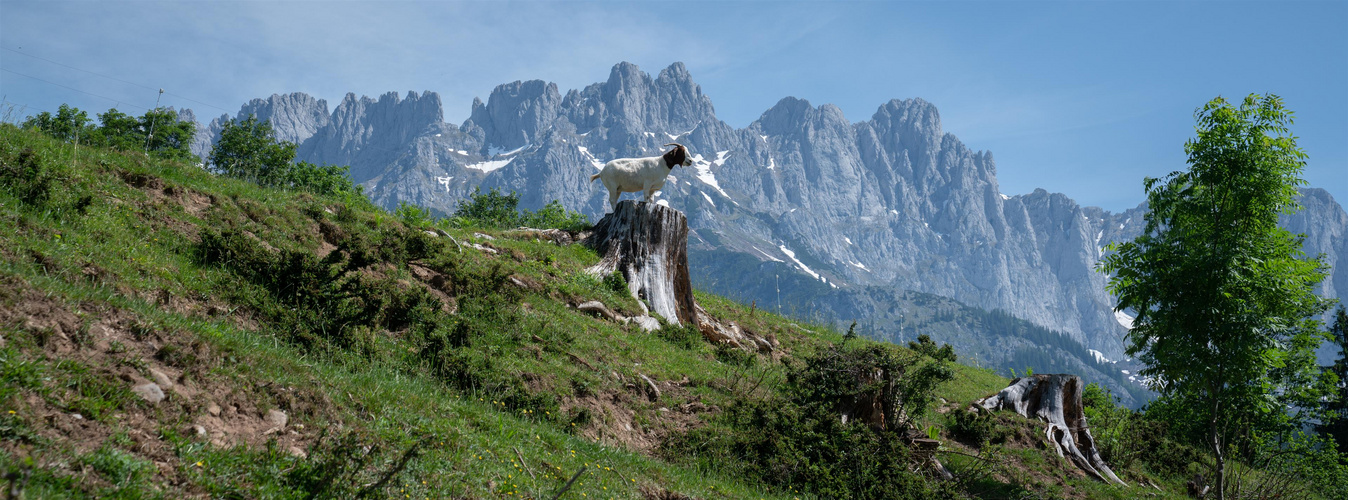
pixel 613 199
pixel 650 193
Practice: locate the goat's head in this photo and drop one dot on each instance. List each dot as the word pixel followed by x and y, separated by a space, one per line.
pixel 677 156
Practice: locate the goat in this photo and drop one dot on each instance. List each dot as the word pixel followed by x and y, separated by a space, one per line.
pixel 630 175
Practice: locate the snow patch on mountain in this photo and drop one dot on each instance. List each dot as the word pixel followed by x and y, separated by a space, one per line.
pixel 594 162
pixel 1124 319
pixel 770 257
pixel 704 173
pixel 490 165
pixel 792 255
pixel 1100 357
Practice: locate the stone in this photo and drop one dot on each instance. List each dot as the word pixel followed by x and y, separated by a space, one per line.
pixel 213 409
pixel 161 378
pixel 276 418
pixel 149 392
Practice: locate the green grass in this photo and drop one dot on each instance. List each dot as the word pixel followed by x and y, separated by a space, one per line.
pixel 504 392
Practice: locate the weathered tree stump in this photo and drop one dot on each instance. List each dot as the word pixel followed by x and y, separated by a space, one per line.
pixel 648 243
pixel 1056 399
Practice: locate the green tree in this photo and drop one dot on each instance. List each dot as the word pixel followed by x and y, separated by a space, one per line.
pixel 1226 309
pixel 249 150
pixel 1335 422
pixel 158 132
pixel 168 136
pixel 68 124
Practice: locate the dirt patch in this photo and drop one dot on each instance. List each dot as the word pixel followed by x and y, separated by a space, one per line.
pixel 630 419
pixel 658 493
pixel 120 350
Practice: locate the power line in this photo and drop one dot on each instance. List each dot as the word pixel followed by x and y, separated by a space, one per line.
pixel 119 101
pixel 113 78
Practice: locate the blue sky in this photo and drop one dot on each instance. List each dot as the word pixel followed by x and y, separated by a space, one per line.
pixel 1084 98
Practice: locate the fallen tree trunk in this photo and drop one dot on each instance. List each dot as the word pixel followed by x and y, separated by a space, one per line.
pixel 648 243
pixel 1056 400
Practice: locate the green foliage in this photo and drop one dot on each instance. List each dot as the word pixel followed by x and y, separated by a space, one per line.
pixel 616 282
pixel 119 467
pixel 68 124
pixel 328 302
pixel 798 439
pixel 1225 302
pixel 249 150
pixel 495 210
pixel 686 336
pixel 927 347
pixel 323 179
pixel 553 215
pixel 413 215
pixel 1335 423
pixel 158 131
pixel 976 428
pixel 347 467
pixel 31 177
pixel 488 210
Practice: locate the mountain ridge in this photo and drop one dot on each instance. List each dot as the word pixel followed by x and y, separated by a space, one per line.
pixel 893 202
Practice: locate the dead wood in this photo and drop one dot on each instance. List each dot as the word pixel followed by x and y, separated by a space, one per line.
pixel 1056 400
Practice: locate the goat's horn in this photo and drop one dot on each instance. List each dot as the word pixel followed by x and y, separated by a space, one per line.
pixel 676 144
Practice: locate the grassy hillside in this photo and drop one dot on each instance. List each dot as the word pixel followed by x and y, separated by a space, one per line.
pixel 314 346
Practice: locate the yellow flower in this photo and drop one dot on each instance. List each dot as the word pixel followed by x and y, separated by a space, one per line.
pixel 198 464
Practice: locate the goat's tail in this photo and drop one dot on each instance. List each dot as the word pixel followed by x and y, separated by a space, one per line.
pixel 593 177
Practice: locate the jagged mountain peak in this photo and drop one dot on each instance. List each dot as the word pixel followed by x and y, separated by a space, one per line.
pixel 893 202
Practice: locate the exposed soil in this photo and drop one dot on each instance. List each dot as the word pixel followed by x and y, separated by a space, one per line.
pixel 119 346
pixel 631 419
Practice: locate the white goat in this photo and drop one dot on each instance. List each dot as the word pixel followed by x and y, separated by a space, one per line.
pixel 630 175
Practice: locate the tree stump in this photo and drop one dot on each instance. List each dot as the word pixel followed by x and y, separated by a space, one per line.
pixel 1056 399
pixel 648 243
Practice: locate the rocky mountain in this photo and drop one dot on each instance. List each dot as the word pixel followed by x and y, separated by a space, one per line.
pixel 844 214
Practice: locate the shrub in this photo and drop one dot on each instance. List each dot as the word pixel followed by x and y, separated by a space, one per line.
pixel 798 439
pixel 488 210
pixel 496 210
pixel 30 177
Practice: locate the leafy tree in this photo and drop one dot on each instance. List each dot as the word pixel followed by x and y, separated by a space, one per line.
pixel 120 131
pixel 168 136
pixel 322 179
pixel 249 150
pixel 68 124
pixel 1226 309
pixel 1336 408
pixel 158 131
pixel 494 209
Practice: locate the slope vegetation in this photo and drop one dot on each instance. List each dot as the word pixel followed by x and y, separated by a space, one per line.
pixel 171 334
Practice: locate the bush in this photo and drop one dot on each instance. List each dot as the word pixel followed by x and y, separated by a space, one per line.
pixel 554 216
pixel 798 439
pixel 325 179
pixel 495 210
pixel 488 210
pixel 976 428
pixel 30 177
